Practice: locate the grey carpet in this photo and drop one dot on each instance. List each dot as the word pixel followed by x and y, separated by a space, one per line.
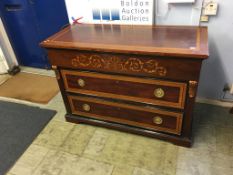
pixel 19 125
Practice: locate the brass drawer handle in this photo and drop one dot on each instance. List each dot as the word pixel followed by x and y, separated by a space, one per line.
pixel 86 107
pixel 159 93
pixel 81 82
pixel 158 120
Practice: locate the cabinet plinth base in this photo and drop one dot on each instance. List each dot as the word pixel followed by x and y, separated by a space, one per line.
pixel 177 140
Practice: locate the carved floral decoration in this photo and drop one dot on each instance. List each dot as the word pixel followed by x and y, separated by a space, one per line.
pixel 119 64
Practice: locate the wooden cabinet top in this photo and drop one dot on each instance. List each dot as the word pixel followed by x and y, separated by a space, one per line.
pixel 182 41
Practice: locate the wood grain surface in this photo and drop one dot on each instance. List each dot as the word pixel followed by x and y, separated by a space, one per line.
pixel 126 88
pixel 183 41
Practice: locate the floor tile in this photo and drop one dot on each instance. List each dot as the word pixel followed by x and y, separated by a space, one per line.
pixel 57 104
pixel 170 156
pixel 224 140
pixel 215 170
pixel 60 163
pixel 140 171
pixel 132 150
pixel 199 161
pixel 122 170
pixel 205 138
pixel 97 142
pixel 203 169
pixel 78 139
pixel 27 164
pixel 221 160
pixel 189 158
pixel 10 174
pixel 54 134
pixel 213 115
pixel 57 163
pixel 90 167
pixel 200 170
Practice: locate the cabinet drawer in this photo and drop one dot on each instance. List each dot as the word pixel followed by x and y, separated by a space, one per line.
pixel 163 93
pixel 140 65
pixel 144 117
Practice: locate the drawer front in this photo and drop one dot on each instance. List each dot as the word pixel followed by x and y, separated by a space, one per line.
pixel 150 66
pixel 163 93
pixel 144 117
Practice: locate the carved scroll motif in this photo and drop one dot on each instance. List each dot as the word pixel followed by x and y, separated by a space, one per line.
pixel 119 64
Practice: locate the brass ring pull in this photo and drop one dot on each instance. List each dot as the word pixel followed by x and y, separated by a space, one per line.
pixel 158 120
pixel 86 107
pixel 159 93
pixel 81 82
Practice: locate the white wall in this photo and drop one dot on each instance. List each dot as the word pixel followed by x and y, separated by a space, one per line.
pixel 218 69
pixel 178 13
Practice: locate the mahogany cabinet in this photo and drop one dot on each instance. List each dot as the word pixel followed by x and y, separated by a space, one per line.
pixel 138 79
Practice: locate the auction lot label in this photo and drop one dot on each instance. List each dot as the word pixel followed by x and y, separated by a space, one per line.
pixel 111 11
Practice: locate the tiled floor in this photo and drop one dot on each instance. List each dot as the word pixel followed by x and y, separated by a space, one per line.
pixel 64 148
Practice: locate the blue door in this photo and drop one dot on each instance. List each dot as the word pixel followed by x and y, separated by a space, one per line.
pixel 28 22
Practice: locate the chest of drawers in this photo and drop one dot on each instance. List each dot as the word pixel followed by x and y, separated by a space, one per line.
pixel 138 79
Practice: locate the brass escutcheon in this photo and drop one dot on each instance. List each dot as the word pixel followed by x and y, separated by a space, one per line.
pixel 159 93
pixel 158 120
pixel 86 107
pixel 81 82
